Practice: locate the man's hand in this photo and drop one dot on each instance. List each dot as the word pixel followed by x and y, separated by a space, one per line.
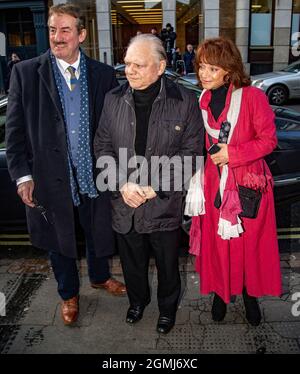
pixel 221 158
pixel 25 191
pixel 149 192
pixel 133 195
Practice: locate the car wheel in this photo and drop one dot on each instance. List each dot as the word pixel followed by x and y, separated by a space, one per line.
pixel 277 95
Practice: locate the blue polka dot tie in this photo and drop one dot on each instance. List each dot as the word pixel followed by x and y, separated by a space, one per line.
pixel 73 80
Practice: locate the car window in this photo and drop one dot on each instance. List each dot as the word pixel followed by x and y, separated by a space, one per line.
pixel 285 125
pixel 120 72
pixel 2 127
pixel 290 115
pixel 293 68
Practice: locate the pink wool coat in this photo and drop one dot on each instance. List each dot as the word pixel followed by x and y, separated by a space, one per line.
pixel 252 259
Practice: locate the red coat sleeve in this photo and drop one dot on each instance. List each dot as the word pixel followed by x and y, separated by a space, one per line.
pixel 264 140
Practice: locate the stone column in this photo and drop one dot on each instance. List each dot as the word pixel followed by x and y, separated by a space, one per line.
pixel 242 29
pixel 282 30
pixel 169 12
pixel 103 13
pixel 211 18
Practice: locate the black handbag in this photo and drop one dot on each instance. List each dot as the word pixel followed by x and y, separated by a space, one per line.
pixel 250 201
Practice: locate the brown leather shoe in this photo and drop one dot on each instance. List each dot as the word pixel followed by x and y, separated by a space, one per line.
pixel 112 286
pixel 69 310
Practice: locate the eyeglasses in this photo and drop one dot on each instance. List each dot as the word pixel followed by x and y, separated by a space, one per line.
pixel 42 211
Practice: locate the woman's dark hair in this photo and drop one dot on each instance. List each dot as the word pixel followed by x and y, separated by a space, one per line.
pixel 224 53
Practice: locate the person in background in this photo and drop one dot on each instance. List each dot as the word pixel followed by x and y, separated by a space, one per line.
pixel 14 60
pixel 154 31
pixel 168 37
pixel 236 250
pixel 177 61
pixel 189 59
pixel 54 105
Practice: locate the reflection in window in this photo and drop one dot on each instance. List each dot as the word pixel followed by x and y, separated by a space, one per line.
pixel 293 68
pixel 261 22
pixel 283 125
pixel 20 28
pixel 295 20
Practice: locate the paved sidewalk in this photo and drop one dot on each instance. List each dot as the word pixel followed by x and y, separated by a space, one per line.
pixel 33 325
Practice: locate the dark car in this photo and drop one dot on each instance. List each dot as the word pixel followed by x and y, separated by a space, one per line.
pixel 12 211
pixel 283 162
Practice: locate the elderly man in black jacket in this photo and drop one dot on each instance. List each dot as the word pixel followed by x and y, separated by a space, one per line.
pixel 148 118
pixel 55 101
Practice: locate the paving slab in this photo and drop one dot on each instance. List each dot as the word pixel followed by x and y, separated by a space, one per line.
pixel 33 323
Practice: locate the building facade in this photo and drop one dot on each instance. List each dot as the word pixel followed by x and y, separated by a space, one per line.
pixel 23 30
pixel 267 32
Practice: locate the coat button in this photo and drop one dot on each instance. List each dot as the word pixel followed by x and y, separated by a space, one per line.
pixel 149 149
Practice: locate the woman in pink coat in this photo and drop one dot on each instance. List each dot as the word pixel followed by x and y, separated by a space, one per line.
pixel 235 255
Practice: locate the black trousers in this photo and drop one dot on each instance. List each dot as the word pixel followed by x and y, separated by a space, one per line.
pixel 134 251
pixel 65 268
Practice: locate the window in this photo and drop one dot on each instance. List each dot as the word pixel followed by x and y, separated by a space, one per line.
pixel 20 28
pixel 261 22
pixel 285 125
pixel 293 68
pixel 295 20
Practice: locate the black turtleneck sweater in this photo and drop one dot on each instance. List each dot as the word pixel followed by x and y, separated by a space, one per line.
pixel 143 100
pixel 218 99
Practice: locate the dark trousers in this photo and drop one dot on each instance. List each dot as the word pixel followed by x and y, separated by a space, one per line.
pixel 134 250
pixel 65 268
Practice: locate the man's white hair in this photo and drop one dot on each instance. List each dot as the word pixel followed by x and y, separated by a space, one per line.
pixel 155 45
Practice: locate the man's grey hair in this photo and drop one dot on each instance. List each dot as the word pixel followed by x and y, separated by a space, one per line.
pixel 155 45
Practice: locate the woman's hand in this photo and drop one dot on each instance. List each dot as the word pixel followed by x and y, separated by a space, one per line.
pixel 221 158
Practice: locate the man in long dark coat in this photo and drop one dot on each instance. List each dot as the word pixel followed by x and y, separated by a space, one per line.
pixel 54 106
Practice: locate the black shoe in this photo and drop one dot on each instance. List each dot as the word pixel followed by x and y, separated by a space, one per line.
pixel 134 314
pixel 253 314
pixel 165 324
pixel 219 309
